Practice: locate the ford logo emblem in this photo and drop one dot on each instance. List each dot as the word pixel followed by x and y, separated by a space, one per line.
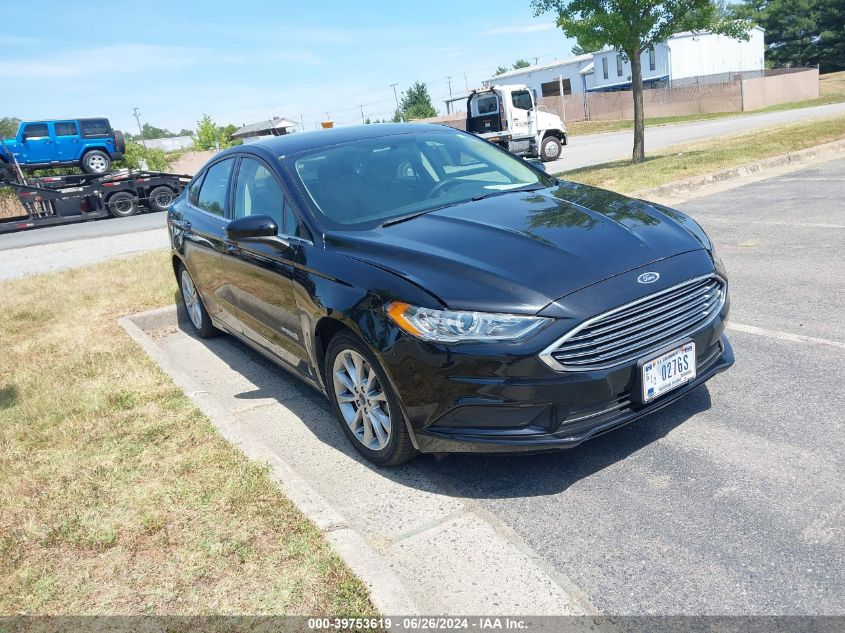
pixel 648 278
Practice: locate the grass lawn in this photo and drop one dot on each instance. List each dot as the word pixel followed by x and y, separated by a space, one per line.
pixel 831 90
pixel 682 161
pixel 116 494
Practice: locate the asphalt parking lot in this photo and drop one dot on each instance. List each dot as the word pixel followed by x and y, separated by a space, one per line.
pixel 729 501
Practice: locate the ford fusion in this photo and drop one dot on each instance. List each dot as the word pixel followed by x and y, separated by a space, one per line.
pixel 445 295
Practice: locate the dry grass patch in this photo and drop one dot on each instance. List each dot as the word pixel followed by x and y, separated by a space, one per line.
pixel 118 495
pixel 683 161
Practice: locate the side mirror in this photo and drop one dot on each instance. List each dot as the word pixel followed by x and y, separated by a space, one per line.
pixel 252 226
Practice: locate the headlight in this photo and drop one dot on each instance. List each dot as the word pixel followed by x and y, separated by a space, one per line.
pixel 447 326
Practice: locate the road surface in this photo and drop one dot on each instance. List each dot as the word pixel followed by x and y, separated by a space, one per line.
pixel 593 149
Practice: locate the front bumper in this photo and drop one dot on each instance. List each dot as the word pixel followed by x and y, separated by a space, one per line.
pixel 558 431
pixel 500 398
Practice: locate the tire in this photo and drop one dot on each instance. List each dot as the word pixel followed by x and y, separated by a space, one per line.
pixel 159 199
pixel 122 204
pixel 197 314
pixel 119 141
pixel 96 162
pixel 550 149
pixel 367 414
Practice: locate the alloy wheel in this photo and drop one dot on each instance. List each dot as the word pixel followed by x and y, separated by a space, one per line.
pixel 192 300
pixel 361 399
pixel 97 163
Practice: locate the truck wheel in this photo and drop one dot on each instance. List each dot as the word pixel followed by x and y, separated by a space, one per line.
pixel 122 204
pixel 96 162
pixel 160 198
pixel 550 149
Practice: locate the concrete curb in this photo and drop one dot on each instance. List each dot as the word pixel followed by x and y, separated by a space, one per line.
pixel 387 591
pixel 680 187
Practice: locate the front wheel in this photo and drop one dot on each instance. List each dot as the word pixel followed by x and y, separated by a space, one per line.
pixel 96 162
pixel 550 149
pixel 365 404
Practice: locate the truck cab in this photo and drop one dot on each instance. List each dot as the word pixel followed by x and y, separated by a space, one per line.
pixel 91 144
pixel 508 116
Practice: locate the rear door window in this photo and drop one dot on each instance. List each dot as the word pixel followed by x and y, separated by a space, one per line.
pixel 66 128
pixel 35 130
pixel 92 128
pixel 214 188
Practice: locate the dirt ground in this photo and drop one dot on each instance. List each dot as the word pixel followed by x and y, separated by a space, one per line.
pixel 191 162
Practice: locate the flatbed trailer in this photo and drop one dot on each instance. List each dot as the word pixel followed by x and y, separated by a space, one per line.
pixel 52 200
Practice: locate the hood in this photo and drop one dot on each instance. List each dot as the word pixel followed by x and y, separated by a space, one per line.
pixel 518 252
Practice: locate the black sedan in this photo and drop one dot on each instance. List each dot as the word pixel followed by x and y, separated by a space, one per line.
pixel 445 295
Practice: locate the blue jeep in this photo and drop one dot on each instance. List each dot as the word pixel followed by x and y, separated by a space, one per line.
pixel 90 143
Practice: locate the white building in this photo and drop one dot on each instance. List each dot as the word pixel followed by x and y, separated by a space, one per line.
pixel 682 59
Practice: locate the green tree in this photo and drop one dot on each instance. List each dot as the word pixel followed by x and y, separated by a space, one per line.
pixel 416 103
pixel 800 32
pixel 9 126
pixel 209 135
pixel 501 70
pixel 155 158
pixel 634 26
pixel 521 63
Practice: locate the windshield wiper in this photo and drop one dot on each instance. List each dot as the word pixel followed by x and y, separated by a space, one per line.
pixel 499 192
pixel 416 214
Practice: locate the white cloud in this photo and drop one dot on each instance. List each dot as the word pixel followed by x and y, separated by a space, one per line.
pixel 524 28
pixel 131 59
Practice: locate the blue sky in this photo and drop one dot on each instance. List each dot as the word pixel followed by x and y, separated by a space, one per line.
pixel 245 61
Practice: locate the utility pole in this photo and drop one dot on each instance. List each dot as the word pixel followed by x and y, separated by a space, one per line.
pixel 536 60
pixel 137 116
pixel 449 81
pixel 395 96
pixel 466 83
pixel 302 122
pixel 362 114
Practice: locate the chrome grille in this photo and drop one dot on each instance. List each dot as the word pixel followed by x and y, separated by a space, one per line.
pixel 630 331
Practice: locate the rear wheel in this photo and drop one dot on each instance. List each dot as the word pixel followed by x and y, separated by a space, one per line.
pixel 122 204
pixel 96 162
pixel 194 305
pixel 365 404
pixel 550 149
pixel 160 198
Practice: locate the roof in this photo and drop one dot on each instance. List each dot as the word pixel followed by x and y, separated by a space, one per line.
pixel 276 123
pixel 318 139
pixel 555 64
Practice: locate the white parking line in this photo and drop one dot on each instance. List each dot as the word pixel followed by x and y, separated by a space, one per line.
pixel 784 336
pixel 817 225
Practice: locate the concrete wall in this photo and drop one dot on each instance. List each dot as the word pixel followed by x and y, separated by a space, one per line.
pixel 733 96
pixel 780 88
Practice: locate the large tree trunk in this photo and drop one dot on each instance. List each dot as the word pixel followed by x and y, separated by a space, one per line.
pixel 639 123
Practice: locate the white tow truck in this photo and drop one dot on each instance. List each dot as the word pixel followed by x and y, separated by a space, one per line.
pixel 508 116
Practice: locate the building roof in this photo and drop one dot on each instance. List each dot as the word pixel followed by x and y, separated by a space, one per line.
pixel 555 64
pixel 268 126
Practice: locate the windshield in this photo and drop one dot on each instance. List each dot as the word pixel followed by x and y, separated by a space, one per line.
pixel 369 182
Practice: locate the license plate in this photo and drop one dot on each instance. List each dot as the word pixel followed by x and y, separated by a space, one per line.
pixel 668 371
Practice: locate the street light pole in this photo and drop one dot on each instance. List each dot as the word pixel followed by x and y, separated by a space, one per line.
pixel 395 96
pixel 137 116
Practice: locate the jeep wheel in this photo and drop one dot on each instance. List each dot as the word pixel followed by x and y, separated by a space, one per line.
pixel 122 204
pixel 550 149
pixel 96 162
